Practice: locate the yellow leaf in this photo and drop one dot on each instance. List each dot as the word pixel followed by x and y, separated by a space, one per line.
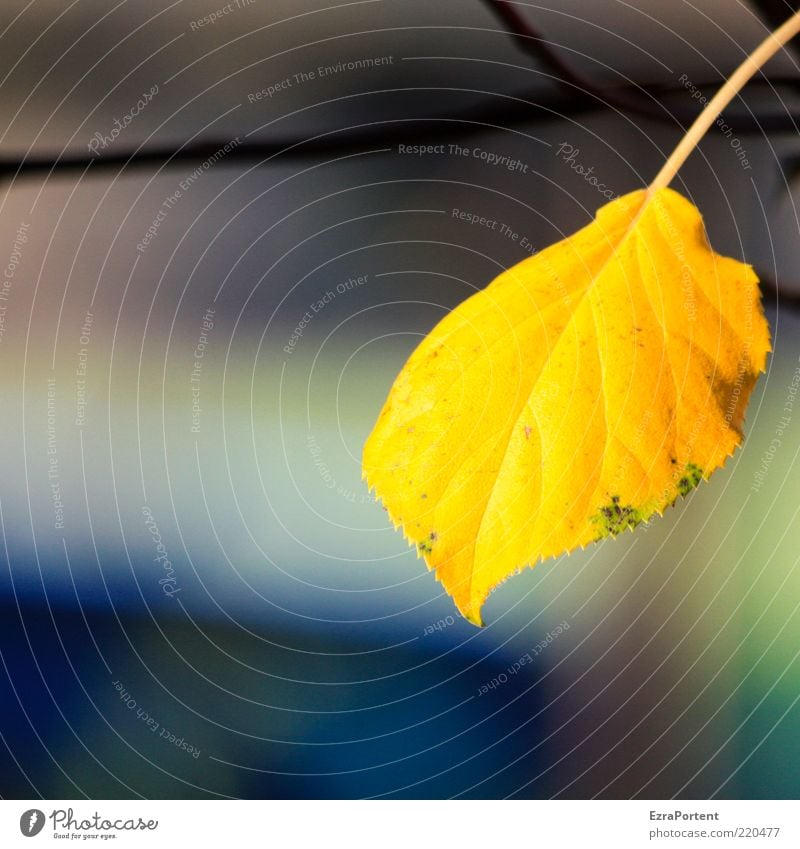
pixel 579 394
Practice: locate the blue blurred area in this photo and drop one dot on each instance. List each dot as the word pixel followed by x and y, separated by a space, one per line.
pixel 321 718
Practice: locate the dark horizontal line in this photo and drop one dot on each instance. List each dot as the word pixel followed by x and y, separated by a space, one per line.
pixel 512 110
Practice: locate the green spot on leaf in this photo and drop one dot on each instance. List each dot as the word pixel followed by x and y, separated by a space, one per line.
pixel 613 518
pixel 692 476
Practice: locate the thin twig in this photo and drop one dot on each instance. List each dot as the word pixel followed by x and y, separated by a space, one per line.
pixel 628 99
pixel 732 87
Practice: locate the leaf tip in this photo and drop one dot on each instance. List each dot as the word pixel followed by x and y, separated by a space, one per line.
pixel 473 616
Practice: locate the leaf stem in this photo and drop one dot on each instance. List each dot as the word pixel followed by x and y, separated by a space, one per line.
pixel 759 57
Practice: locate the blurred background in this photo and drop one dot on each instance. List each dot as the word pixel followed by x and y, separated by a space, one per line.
pixel 217 254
